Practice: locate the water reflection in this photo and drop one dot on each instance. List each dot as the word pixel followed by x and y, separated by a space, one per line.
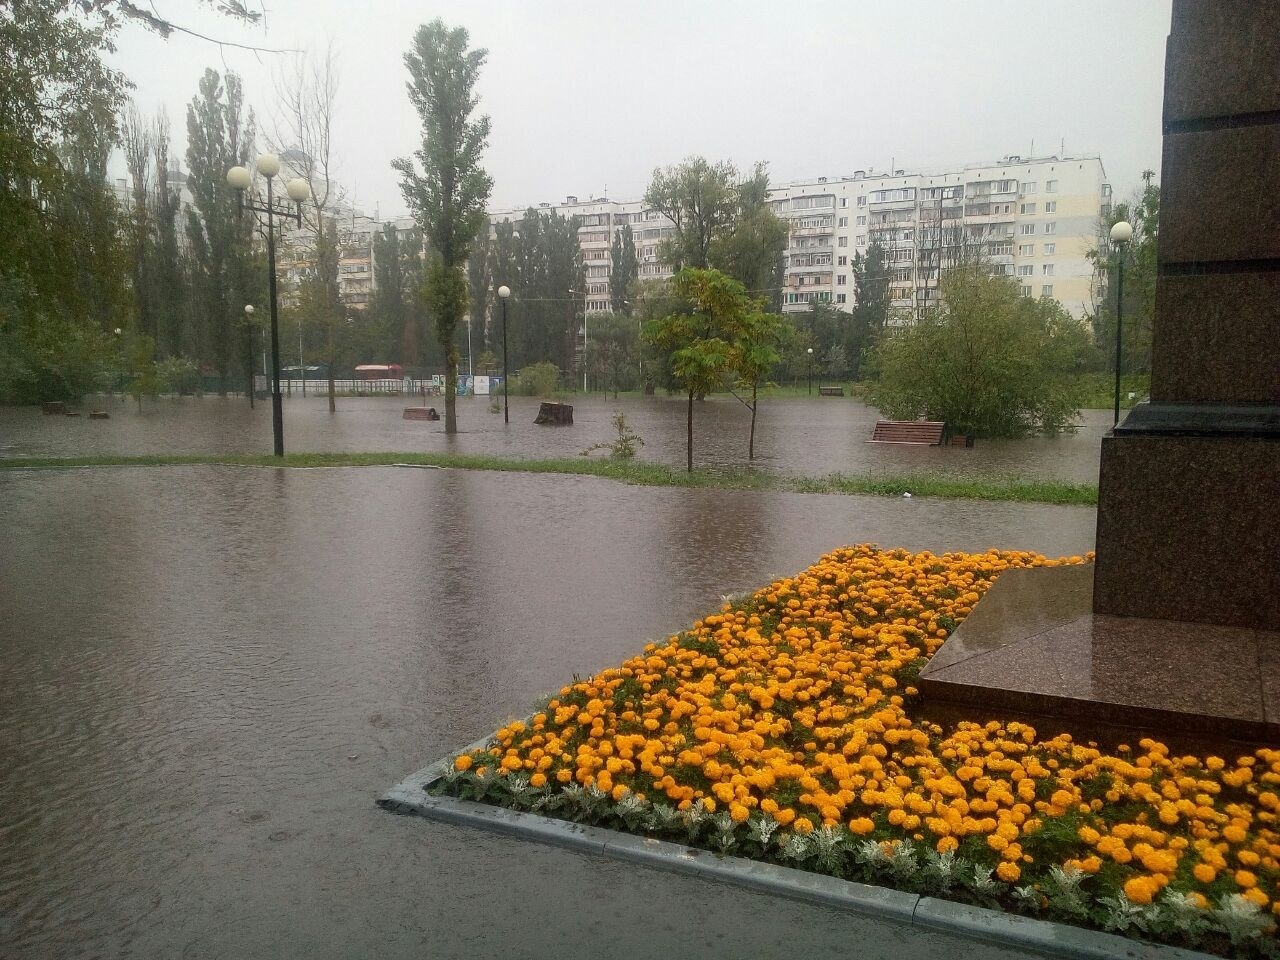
pixel 209 672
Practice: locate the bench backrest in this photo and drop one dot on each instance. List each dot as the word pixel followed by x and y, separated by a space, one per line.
pixel 908 431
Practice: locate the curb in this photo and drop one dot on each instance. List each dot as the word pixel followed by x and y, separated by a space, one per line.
pixel 1043 938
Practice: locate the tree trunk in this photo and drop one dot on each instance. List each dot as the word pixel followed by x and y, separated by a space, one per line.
pixel 689 453
pixel 751 441
pixel 333 407
pixel 451 389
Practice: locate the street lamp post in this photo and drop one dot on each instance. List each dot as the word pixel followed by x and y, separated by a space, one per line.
pixel 810 353
pixel 504 294
pixel 241 180
pixel 248 321
pixel 1121 232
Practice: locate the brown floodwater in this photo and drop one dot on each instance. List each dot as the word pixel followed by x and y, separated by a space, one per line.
pixel 798 435
pixel 209 673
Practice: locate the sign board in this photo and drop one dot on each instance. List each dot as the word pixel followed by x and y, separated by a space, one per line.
pixel 481 385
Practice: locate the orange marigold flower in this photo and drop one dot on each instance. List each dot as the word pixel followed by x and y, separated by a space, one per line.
pixel 1008 872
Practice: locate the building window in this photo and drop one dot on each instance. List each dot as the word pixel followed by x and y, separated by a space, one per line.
pixel 1046 290
pixel 1027 250
pixel 840 280
pixel 1026 270
pixel 844 202
pixel 839 298
pixel 1051 186
pixel 1026 291
pixel 843 242
pixel 1046 270
pixel 1027 229
pixel 862 220
pixel 843 261
pixel 844 222
pixel 892 196
pixel 1027 208
pixel 1049 248
pixel 862 239
pixel 1028 188
pixel 1051 206
pixel 862 201
pixel 1051 227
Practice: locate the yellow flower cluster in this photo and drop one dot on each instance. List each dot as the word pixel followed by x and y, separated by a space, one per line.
pixel 800 705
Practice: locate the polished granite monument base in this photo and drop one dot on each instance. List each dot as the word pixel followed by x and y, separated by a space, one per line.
pixel 1034 649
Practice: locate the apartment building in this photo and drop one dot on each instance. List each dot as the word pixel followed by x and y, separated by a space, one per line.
pixel 1034 219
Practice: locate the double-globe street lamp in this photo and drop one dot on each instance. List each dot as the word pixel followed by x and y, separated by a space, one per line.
pixel 1121 233
pixel 504 294
pixel 241 180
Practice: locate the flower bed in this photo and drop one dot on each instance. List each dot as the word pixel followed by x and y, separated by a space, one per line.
pixel 783 728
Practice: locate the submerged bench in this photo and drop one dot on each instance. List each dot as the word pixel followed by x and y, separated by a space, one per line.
pixel 831 391
pixel 927 432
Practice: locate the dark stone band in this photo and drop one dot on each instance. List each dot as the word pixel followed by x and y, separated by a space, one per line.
pixel 1260 420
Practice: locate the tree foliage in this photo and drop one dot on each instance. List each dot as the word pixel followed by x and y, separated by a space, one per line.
pixel 624 269
pixel 219 136
pixel 538 257
pixel 720 336
pixel 989 363
pixel 63 267
pixel 722 221
pixel 446 189
pixel 1139 255
pixel 871 288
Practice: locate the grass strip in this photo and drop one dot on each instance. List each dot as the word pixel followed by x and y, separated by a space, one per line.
pixel 990 487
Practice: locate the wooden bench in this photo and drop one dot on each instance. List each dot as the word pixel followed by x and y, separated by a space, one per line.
pixel 831 391
pixel 927 432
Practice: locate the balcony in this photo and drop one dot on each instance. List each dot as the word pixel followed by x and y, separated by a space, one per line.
pixel 891 205
pixel 812 231
pixel 817 248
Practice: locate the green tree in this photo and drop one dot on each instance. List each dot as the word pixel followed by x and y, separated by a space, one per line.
pixel 480 284
pixel 757 348
pixel 721 220
pixel 170 295
pixel 1139 254
pixel 751 249
pixel 538 257
pixel 989 363
pixel 871 288
pixel 218 137
pixel 624 269
pixel 448 197
pixel 699 343
pixel 63 268
pixel 700 199
pixel 612 350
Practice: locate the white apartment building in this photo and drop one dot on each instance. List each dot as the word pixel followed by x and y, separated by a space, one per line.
pixel 1034 219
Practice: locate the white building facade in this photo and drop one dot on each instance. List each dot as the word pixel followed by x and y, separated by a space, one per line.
pixel 1033 219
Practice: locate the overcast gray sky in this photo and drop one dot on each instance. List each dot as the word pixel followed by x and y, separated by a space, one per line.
pixel 589 97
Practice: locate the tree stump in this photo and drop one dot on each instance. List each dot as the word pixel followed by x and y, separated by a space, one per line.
pixel 54 407
pixel 99 415
pixel 555 414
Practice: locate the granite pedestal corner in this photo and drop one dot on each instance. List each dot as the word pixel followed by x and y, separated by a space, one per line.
pixel 1034 649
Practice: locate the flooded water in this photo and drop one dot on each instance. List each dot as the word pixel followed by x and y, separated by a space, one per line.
pixel 209 673
pixel 797 435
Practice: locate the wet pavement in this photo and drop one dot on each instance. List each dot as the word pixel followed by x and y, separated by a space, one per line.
pixel 797 435
pixel 210 672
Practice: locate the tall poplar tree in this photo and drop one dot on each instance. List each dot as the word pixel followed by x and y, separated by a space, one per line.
pixel 624 269
pixel 218 138
pixel 448 196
